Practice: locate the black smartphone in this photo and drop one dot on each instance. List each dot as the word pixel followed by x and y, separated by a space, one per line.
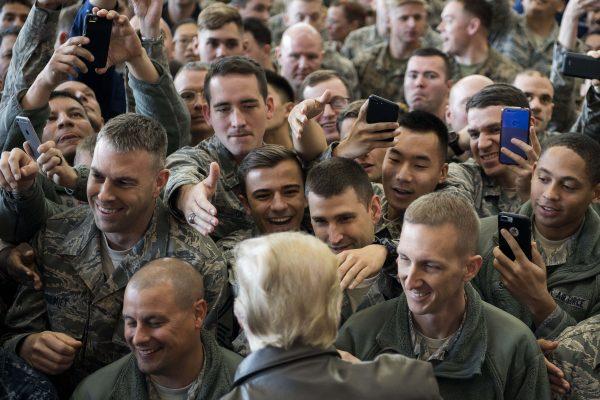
pixel 581 66
pixel 98 31
pixel 519 226
pixel 515 124
pixel 382 110
pixel 29 134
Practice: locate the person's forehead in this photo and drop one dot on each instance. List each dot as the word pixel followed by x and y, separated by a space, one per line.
pixel 75 86
pixel 561 161
pixel 429 242
pixel 534 84
pixel 233 86
pixel 335 86
pixel 254 3
pixel 478 117
pixel 412 144
pixel 304 7
pixel 113 163
pixel 227 31
pixel 17 8
pixel 336 11
pixel 285 173
pixel 58 104
pixel 344 202
pixel 453 8
pixel 190 79
pixel 148 301
pixel 188 29
pixel 407 9
pixel 304 43
pixel 426 63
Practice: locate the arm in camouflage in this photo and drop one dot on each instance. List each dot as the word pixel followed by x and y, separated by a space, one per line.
pixel 588 122
pixel 564 113
pixel 558 321
pixel 14 138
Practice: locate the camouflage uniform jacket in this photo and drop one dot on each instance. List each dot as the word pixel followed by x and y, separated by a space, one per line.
pixel 494 357
pixel 332 59
pixel 487 197
pixel 358 41
pixel 518 46
pixel 190 165
pixel 574 285
pixel 80 301
pixel 228 243
pixel 19 381
pixel 496 67
pixel 578 357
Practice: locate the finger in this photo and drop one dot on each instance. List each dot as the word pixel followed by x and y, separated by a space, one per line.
pixel 351 274
pixel 58 346
pixel 325 97
pixel 15 160
pixel 361 276
pixel 68 340
pixel 6 169
pixel 527 149
pixel 76 41
pixel 521 162
pixel 553 370
pixel 547 345
pixel 503 264
pixel 28 150
pixel 29 170
pixel 204 219
pixel 50 367
pixel 362 113
pixel 3 183
pixel 535 141
pixel 211 183
pixel 537 259
pixel 514 246
pixel 557 389
pixel 382 126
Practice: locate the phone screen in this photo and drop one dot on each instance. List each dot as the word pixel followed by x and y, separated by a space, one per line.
pixel 515 124
pixel 98 31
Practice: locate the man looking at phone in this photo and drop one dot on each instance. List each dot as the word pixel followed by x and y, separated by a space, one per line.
pixel 441 318
pixel 86 256
pixel 488 184
pixel 558 287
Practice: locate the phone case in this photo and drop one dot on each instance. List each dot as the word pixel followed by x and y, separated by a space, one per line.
pixel 98 31
pixel 29 134
pixel 581 66
pixel 519 226
pixel 382 110
pixel 515 124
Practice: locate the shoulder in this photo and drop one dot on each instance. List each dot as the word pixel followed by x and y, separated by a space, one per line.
pixel 370 320
pixel 508 331
pixel 231 360
pixel 64 223
pixel 201 154
pixel 99 384
pixel 368 55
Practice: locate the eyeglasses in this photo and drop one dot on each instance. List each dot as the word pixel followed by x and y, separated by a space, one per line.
pixel 184 40
pixel 190 96
pixel 339 102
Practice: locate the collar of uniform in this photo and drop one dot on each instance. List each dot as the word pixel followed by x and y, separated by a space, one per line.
pixel 548 40
pixel 386 63
pixel 490 188
pixel 272 357
pixel 226 162
pixel 463 360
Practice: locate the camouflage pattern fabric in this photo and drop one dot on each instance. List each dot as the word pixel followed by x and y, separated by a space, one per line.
pixel 496 67
pixel 18 381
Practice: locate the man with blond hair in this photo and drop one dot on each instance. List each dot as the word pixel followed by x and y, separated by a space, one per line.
pixel 291 331
pixel 441 318
pixel 220 33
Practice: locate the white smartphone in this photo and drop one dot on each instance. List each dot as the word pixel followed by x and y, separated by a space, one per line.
pixel 29 134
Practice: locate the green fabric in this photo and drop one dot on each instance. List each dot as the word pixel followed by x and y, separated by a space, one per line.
pixel 495 356
pixel 575 285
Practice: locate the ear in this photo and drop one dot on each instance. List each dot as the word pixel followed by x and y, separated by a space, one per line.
pixel 195 45
pixel 448 114
pixel 443 173
pixel 375 209
pixel 472 267
pixel 244 202
pixel 161 181
pixel 206 113
pixel 266 48
pixel 473 26
pixel 288 108
pixel 244 45
pixel 596 198
pixel 270 106
pixel 200 311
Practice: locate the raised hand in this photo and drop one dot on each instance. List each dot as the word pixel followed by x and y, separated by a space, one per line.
pixel 17 171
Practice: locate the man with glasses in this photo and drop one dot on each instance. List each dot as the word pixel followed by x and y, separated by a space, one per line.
pixel 314 85
pixel 189 83
pixel 183 41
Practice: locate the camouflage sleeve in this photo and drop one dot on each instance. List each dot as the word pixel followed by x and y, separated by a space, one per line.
pixel 80 191
pixel 10 134
pixel 462 180
pixel 348 50
pixel 578 357
pixel 588 121
pixel 187 167
pixel 28 312
pixel 564 113
pixel 160 101
pixel 554 324
pixel 228 243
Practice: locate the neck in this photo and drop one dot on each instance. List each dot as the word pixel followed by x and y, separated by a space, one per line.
pixel 476 52
pixel 402 50
pixel 394 214
pixel 559 233
pixel 126 240
pixel 177 12
pixel 187 371
pixel 540 24
pixel 280 136
pixel 444 323
pixel 199 136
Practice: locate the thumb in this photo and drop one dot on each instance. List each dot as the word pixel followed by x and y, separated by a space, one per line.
pixel 68 340
pixel 213 177
pixel 62 37
pixel 325 97
pixel 547 345
pixel 29 170
pixel 362 113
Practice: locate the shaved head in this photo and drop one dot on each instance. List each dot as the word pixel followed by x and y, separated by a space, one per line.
pixel 461 92
pixel 186 282
pixel 301 32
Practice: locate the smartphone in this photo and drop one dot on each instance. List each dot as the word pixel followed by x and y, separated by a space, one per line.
pixel 382 110
pixel 29 134
pixel 515 124
pixel 98 31
pixel 519 226
pixel 581 66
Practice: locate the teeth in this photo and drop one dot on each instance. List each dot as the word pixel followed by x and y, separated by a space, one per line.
pixel 107 210
pixel 280 220
pixel 489 156
pixel 549 208
pixel 418 294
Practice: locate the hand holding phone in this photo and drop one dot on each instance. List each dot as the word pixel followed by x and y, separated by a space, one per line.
pixel 515 124
pixel 29 133
pixel 382 110
pixel 581 66
pixel 98 30
pixel 519 226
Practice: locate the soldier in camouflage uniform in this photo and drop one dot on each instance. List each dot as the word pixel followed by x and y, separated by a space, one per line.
pixel 381 69
pixel 559 286
pixel 18 381
pixel 310 11
pixel 489 185
pixel 79 309
pixel 578 357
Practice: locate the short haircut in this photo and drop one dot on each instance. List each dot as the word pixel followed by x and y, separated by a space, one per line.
pixel 498 94
pixel 424 122
pixel 131 132
pixel 333 176
pixel 319 76
pixel 286 298
pixel 26 3
pixel 440 208
pixel 258 30
pixel 218 15
pixel 353 11
pixel 267 156
pixel 187 284
pixel 351 111
pixel 584 146
pixel 183 22
pixel 236 65
pixel 481 9
pixel 280 84
pixel 433 52
pixel 87 144
pixel 193 66
pixel 10 31
pixel 289 2
pixel 531 73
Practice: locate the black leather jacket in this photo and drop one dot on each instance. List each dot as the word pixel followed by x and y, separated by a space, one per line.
pixel 302 373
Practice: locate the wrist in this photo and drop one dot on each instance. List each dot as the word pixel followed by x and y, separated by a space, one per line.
pixel 542 308
pixel 69 181
pixel 182 195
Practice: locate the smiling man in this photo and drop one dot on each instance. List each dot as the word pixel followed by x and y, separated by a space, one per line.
pixel 440 317
pixel 558 287
pixel 171 353
pixel 88 254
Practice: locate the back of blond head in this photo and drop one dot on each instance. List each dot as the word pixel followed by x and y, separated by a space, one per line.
pixel 289 292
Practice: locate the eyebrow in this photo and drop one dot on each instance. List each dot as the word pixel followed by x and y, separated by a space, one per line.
pixel 562 178
pixel 95 171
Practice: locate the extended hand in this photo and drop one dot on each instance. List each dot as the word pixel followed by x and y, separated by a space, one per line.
pixel 194 201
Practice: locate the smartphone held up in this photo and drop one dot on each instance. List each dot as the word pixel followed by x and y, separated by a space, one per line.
pixel 98 30
pixel 519 226
pixel 382 110
pixel 515 124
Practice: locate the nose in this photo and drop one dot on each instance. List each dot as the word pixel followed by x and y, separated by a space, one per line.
pixel 328 111
pixel 237 118
pixel 105 194
pixel 278 203
pixel 410 276
pixel 535 104
pixel 334 235
pixel 64 120
pixel 140 336
pixel 404 173
pixel 552 192
pixel 440 26
pixel 420 80
pixel 411 22
pixel 484 142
